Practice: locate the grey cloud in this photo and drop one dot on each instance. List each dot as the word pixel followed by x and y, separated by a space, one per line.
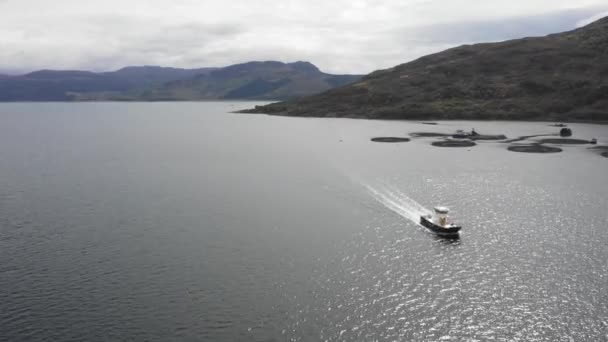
pixel 499 30
pixel 139 41
pixel 341 36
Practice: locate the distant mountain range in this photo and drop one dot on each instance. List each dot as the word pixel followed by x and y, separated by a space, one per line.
pixel 558 77
pixel 54 85
pixel 254 80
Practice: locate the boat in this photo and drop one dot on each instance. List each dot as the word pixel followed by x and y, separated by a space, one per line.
pixel 473 135
pixel 460 134
pixel 439 224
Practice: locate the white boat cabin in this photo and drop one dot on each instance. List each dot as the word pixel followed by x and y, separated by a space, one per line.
pixel 441 215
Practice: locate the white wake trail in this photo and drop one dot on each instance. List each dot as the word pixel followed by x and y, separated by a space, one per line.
pixel 398 202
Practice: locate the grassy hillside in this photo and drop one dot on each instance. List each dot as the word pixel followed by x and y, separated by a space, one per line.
pixel 557 77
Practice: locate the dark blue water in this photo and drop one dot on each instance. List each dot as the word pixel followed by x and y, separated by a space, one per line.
pixel 182 222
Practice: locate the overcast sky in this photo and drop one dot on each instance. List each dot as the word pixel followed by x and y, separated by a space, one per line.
pixel 339 36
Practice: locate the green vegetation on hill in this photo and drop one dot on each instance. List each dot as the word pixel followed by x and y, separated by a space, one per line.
pixel 557 77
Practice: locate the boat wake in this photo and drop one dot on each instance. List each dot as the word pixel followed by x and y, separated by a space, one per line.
pixel 398 202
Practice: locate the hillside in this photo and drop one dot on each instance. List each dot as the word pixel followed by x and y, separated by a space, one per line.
pixel 558 77
pixel 253 80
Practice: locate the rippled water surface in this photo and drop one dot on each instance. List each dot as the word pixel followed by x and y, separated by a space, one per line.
pixel 182 222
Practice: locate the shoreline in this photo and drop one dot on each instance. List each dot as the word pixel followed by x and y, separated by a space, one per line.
pixel 423 120
pixel 247 111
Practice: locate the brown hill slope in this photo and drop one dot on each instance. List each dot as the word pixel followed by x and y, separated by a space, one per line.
pixel 558 77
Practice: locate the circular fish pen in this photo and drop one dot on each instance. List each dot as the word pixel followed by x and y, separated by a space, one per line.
pixel 390 139
pixel 601 150
pixel 454 143
pixel 536 148
pixel 429 135
pixel 564 141
pixel 488 137
pixel 526 137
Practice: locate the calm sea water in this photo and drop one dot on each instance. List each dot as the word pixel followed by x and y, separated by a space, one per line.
pixel 182 222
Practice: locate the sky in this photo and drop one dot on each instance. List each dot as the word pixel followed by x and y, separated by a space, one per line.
pixel 339 36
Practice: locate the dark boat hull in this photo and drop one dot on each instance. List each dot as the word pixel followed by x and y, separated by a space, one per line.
pixel 451 231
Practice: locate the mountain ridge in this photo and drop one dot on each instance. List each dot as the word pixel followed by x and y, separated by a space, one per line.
pixel 257 80
pixel 267 80
pixel 59 85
